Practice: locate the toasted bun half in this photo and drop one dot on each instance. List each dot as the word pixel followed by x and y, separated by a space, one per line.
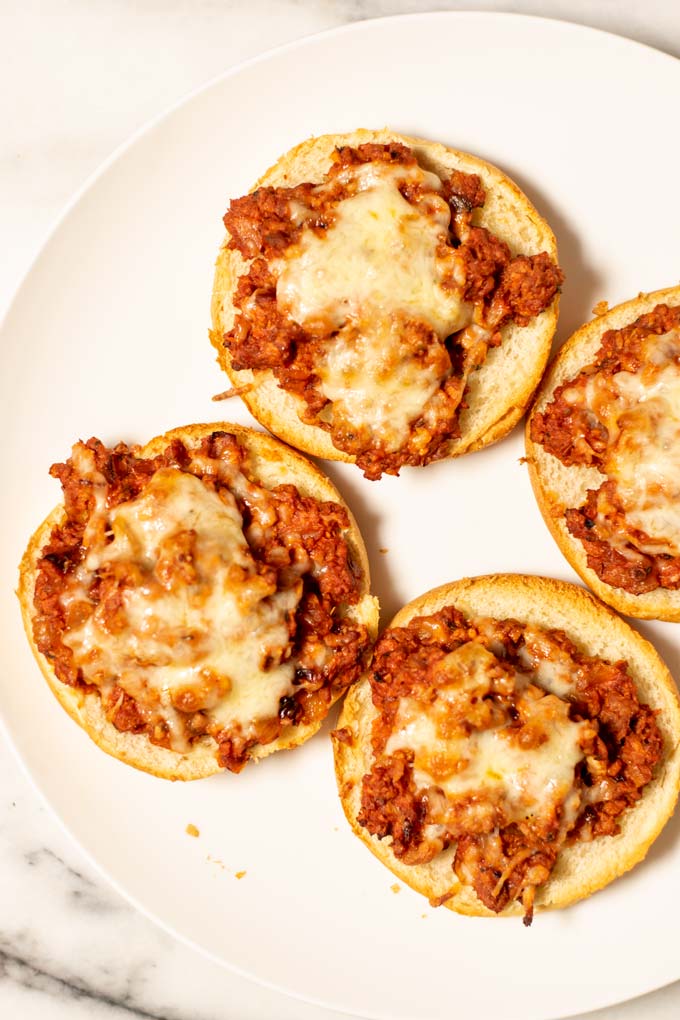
pixel 498 393
pixel 580 869
pixel 558 487
pixel 273 464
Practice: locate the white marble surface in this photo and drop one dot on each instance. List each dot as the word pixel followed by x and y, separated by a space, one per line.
pixel 76 78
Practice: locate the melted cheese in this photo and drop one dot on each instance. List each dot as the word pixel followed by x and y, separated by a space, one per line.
pixel 553 667
pixel 379 252
pixel 380 265
pixel 490 763
pixel 374 382
pixel 197 627
pixel 641 412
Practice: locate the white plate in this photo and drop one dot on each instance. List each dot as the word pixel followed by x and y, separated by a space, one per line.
pixel 107 336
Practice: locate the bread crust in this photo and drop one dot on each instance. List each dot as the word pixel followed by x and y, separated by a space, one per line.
pixel 557 487
pixel 581 869
pixel 498 393
pixel 273 463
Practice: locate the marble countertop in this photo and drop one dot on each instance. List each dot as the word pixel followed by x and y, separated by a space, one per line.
pixel 76 78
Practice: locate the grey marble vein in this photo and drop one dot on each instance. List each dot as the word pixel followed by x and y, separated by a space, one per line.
pixel 85 893
pixel 32 974
pixel 71 947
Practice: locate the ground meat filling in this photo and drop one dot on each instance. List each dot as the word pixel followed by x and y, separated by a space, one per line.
pixel 495 288
pixel 621 553
pixel 298 547
pixel 516 689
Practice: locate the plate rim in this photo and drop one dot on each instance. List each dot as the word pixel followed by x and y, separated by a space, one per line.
pixel 166 112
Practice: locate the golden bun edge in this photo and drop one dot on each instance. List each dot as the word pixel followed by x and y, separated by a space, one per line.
pixel 499 393
pixel 273 463
pixel 581 869
pixel 557 487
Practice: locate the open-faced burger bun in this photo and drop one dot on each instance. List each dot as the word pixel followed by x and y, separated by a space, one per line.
pixel 582 867
pixel 268 464
pixel 496 394
pixel 621 432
